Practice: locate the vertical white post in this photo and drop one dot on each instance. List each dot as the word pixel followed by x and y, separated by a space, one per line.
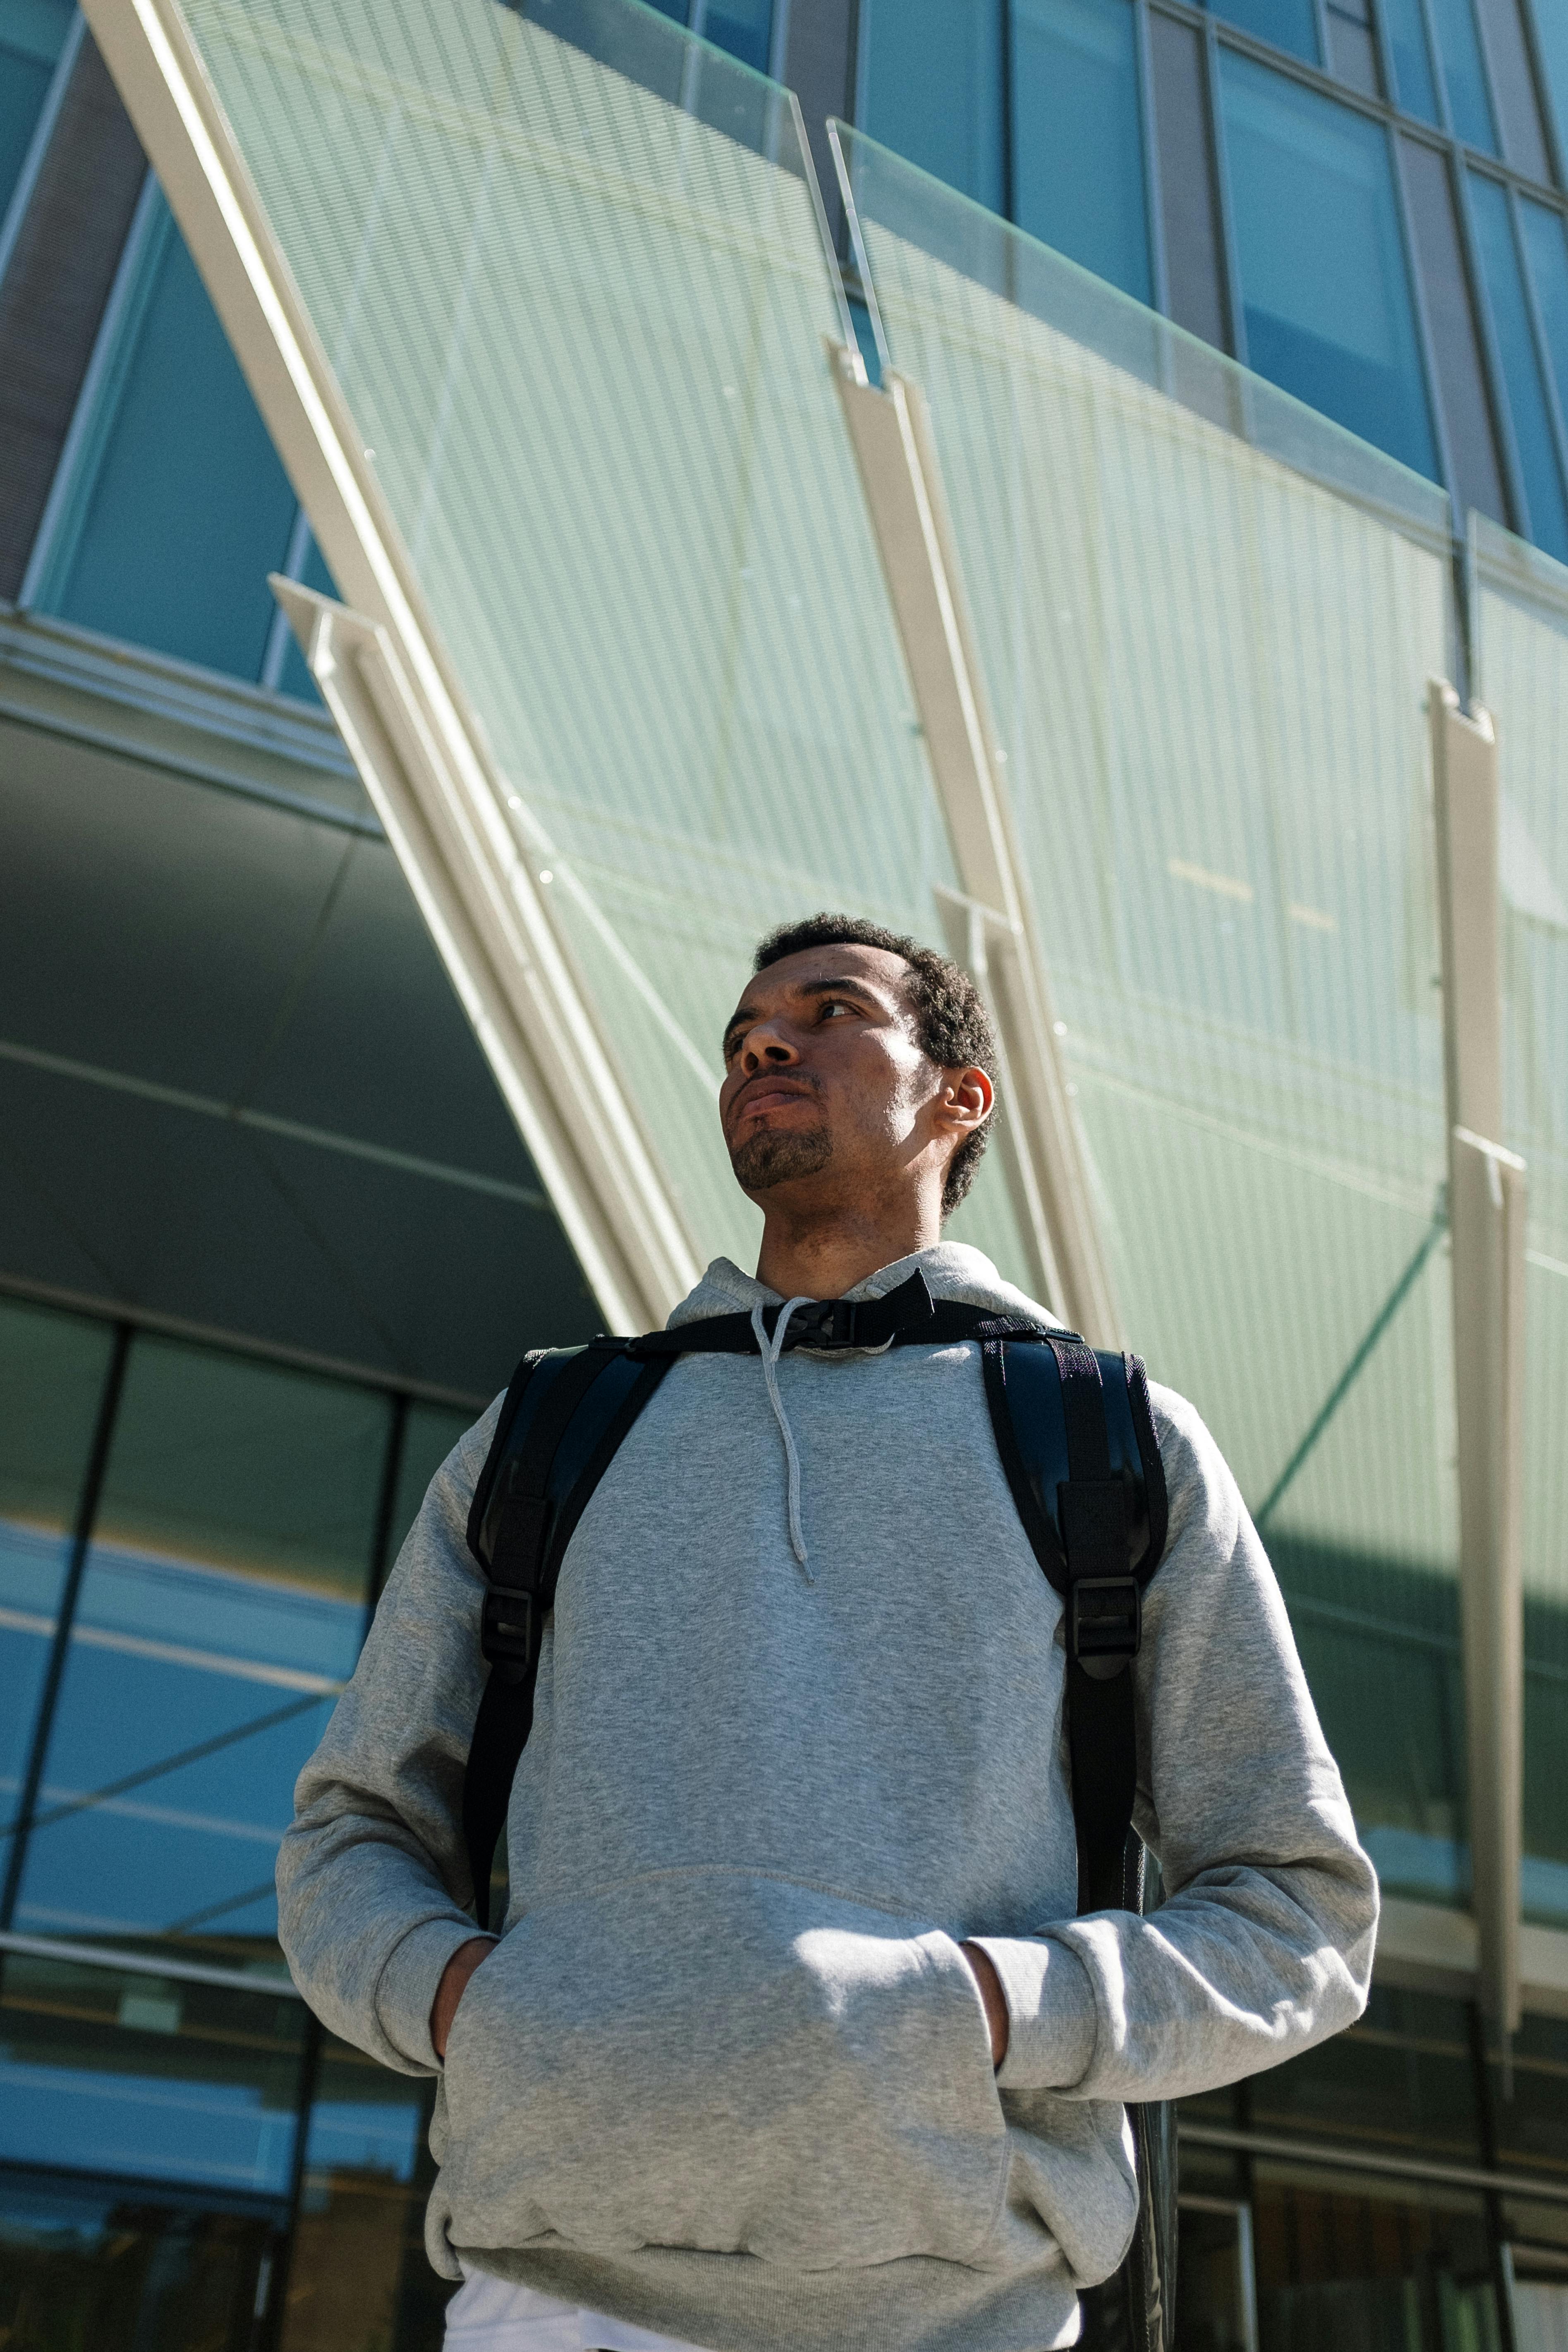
pixel 1486 1201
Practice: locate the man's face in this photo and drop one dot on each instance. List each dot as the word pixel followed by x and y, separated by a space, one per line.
pixel 825 1087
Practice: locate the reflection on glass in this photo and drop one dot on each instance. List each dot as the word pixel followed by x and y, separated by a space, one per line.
pixel 85 2268
pixel 1289 24
pixel 1527 394
pixel 1078 138
pixel 1321 259
pixel 106 2071
pixel 358 2259
pixel 1464 76
pixel 933 89
pixel 185 508
pixel 32 33
pixel 1209 671
pixel 52 1370
pixel 1521 635
pixel 1405 23
pixel 1344 2261
pixel 220 1614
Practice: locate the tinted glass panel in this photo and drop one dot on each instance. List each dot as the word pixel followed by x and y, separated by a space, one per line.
pixel 1458 46
pixel 1078 142
pixel 742 26
pixel 185 508
pixel 1527 394
pixel 1551 20
pixel 1322 260
pixel 1402 2077
pixel 52 1370
pixel 1546 254
pixel 933 75
pixel 104 2070
pixel 31 34
pixel 1352 53
pixel 1414 89
pixel 85 2268
pixel 220 1613
pixel 1514 85
pixel 1343 2262
pixel 1289 24
pixel 429 1434
pixel 1194 268
pixel 1451 322
pixel 356 2250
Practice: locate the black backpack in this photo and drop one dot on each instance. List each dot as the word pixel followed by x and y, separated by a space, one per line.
pixel 1076 1437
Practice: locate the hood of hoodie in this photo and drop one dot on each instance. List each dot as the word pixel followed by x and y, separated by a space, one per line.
pixel 952 1269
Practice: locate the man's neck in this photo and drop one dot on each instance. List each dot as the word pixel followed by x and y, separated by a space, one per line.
pixel 828 1260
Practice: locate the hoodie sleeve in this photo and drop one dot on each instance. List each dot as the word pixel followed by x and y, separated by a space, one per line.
pixel 1264 1943
pixel 372 1877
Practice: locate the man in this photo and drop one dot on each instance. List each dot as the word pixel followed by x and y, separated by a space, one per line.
pixel 791 2040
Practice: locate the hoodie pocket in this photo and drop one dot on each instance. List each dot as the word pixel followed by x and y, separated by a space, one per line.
pixel 733 2063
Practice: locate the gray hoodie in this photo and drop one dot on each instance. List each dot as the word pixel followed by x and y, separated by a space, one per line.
pixel 727 2073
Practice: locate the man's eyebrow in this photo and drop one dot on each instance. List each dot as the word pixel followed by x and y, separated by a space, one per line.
pixel 847 985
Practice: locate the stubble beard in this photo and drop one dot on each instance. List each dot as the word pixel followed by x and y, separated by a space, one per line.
pixel 767 1159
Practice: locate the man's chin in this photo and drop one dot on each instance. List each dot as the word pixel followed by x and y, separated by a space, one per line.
pixel 780 1156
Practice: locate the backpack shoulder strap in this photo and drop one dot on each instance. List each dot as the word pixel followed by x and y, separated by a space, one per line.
pixel 566 1413
pixel 1076 1437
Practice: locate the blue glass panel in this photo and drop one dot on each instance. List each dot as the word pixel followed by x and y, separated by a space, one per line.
pixel 108 2070
pixel 52 1370
pixel 221 1610
pixel 1414 87
pixel 1464 77
pixel 933 89
pixel 1325 291
pixel 1078 137
pixel 190 509
pixel 295 678
pixel 32 33
pixel 1289 24
pixel 742 26
pixel 1551 19
pixel 1527 398
pixel 1546 255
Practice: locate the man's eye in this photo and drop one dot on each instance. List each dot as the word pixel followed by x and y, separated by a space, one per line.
pixel 834 1004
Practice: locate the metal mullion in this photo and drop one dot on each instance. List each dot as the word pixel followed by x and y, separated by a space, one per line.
pixel 1320 19
pixel 38 145
pixel 1153 210
pixel 1545 107
pixel 1009 176
pixel 1384 49
pixel 65 1614
pixel 274 2313
pixel 1226 207
pixel 1434 396
pixel 386 1500
pixel 1537 336
pixel 1488 76
pixel 1502 408
pixel 1435 65
pixel 140 1964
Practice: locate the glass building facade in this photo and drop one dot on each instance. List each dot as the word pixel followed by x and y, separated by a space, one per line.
pixel 1222 506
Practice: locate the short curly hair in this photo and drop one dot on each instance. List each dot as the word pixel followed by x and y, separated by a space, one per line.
pixel 952 1025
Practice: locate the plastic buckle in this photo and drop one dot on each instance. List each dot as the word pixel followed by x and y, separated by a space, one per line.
pixel 1105 1624
pixel 509 1627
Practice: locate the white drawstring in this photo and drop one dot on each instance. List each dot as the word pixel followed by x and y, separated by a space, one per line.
pixel 769 1351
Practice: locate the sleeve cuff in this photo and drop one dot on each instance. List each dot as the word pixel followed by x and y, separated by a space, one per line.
pixel 1052 2021
pixel 408 1985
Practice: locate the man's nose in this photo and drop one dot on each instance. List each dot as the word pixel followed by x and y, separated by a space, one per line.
pixel 765 1045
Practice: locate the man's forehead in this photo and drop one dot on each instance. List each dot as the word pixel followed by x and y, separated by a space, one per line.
pixel 876 968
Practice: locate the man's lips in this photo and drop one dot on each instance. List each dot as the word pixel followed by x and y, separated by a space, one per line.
pixel 768 1094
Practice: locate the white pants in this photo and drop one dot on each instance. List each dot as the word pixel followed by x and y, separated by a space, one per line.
pixel 490 2314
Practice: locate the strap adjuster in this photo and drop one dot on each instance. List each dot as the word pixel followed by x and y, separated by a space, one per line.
pixel 1105 1624
pixel 509 1627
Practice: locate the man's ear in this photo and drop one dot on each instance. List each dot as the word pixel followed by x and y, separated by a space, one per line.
pixel 965 1100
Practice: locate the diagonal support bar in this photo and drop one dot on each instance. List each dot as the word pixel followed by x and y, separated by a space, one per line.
pixel 1487 1195
pixel 1048 1165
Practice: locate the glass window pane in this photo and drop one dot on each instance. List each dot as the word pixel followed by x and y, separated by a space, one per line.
pixel 1289 24
pixel 90 2268
pixel 52 1369
pixel 743 27
pixel 220 1613
pixel 1404 2074
pixel 357 2257
pixel 429 1434
pixel 1546 255
pixel 1551 21
pixel 1460 48
pixel 1527 394
pixel 1342 2260
pixel 1352 54
pixel 1194 269
pixel 106 2071
pixel 186 508
pixel 32 33
pixel 1078 140
pixel 1321 259
pixel 1457 348
pixel 933 89
pixel 1514 85
pixel 1405 21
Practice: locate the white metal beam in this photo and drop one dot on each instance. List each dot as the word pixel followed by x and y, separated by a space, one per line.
pixel 424 760
pixel 1048 1165
pixel 1487 1202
